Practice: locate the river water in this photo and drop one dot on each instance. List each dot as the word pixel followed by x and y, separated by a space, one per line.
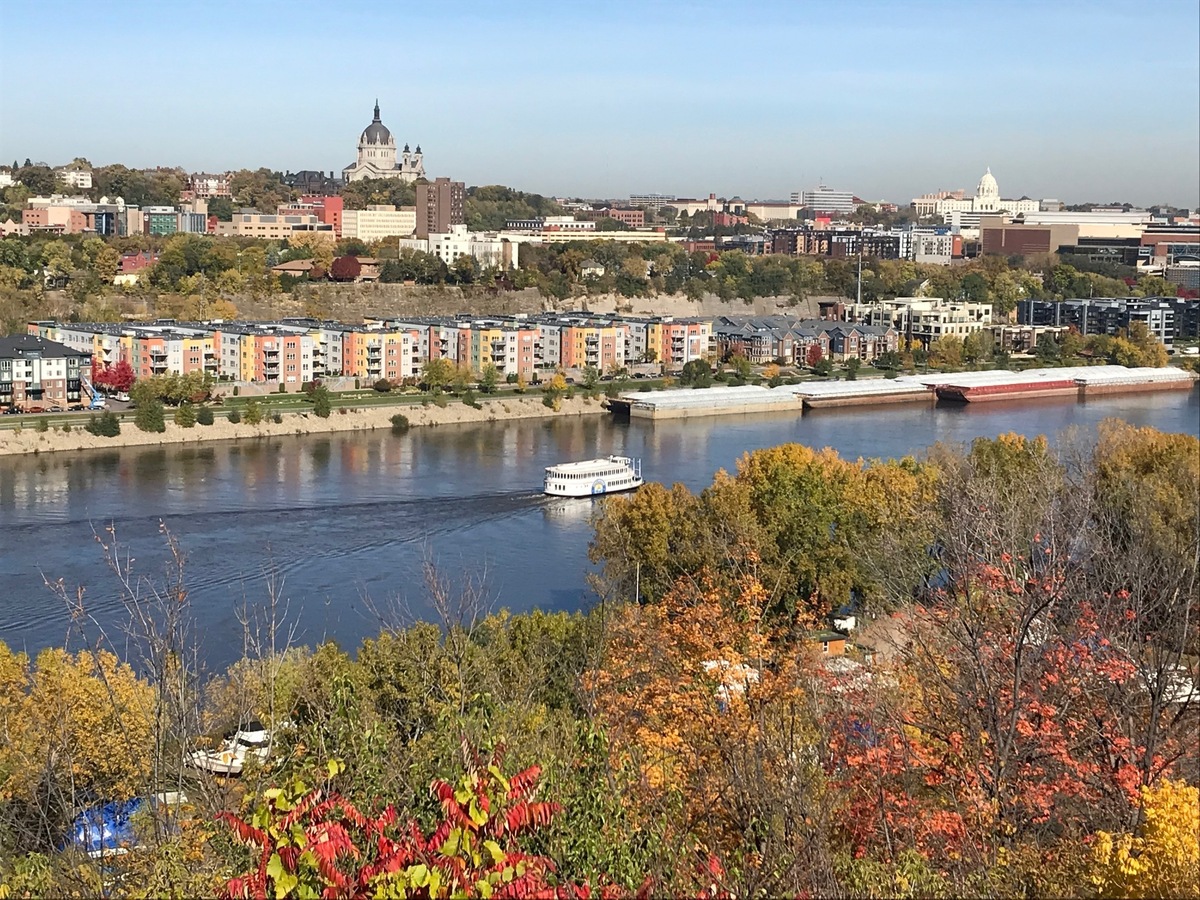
pixel 345 523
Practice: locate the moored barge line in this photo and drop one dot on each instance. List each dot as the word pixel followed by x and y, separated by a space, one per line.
pixel 957 387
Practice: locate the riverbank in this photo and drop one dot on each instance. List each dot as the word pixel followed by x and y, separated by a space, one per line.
pixel 500 409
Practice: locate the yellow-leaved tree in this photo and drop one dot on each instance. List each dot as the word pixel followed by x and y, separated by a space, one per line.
pixel 72 726
pixel 1162 859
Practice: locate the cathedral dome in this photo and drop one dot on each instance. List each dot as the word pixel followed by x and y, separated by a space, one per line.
pixel 376 132
pixel 987 186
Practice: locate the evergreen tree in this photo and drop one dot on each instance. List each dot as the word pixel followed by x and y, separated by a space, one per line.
pixel 185 416
pixel 322 405
pixel 149 417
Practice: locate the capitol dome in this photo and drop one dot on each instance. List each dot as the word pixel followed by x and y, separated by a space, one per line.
pixel 376 132
pixel 987 185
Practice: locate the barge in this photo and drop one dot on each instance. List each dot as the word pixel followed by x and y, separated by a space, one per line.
pixel 1078 382
pixel 873 392
pixel 1070 381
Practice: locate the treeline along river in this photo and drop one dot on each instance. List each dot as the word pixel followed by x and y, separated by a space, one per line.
pixel 345 523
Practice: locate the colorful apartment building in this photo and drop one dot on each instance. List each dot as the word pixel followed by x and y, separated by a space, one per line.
pixel 675 342
pixel 510 348
pixel 156 349
pixel 372 354
pixel 39 373
pixel 291 352
pixel 597 344
pixel 169 351
pixel 267 353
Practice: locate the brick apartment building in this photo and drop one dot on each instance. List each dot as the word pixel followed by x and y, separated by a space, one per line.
pixel 440 204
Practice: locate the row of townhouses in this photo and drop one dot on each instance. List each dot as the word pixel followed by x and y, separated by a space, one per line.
pixel 291 352
pixel 45 365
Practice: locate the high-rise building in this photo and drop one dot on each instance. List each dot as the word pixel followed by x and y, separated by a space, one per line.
pixel 440 205
pixel 651 201
pixel 826 199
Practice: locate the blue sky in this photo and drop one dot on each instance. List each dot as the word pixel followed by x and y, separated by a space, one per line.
pixel 1070 99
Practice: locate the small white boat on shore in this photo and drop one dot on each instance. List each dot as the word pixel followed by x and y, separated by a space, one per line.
pixel 593 477
pixel 249 742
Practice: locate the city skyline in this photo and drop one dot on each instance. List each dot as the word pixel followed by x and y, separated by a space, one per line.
pixel 1078 101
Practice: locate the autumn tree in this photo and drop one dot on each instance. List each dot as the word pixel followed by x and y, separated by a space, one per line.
pixel 1137 347
pixel 315 245
pixel 437 374
pixel 75 726
pixel 711 734
pixel 259 189
pixel 553 391
pixel 947 352
pixel 118 377
pixel 489 377
pixel 345 268
pixel 1039 681
pixel 741 367
pixel 807 516
pixel 1162 856
pixel 316 842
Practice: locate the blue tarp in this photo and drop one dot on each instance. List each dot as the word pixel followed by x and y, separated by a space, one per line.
pixel 104 829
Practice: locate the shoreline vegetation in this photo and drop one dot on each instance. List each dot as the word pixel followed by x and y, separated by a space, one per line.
pixel 499 409
pixel 967 675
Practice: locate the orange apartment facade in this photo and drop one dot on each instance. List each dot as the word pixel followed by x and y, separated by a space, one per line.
pixel 511 349
pixel 374 354
pixel 679 341
pixel 598 345
pixel 265 354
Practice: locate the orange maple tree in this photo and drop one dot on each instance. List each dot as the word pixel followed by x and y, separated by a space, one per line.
pixel 706 712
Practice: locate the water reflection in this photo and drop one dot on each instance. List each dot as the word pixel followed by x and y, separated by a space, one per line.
pixel 344 517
